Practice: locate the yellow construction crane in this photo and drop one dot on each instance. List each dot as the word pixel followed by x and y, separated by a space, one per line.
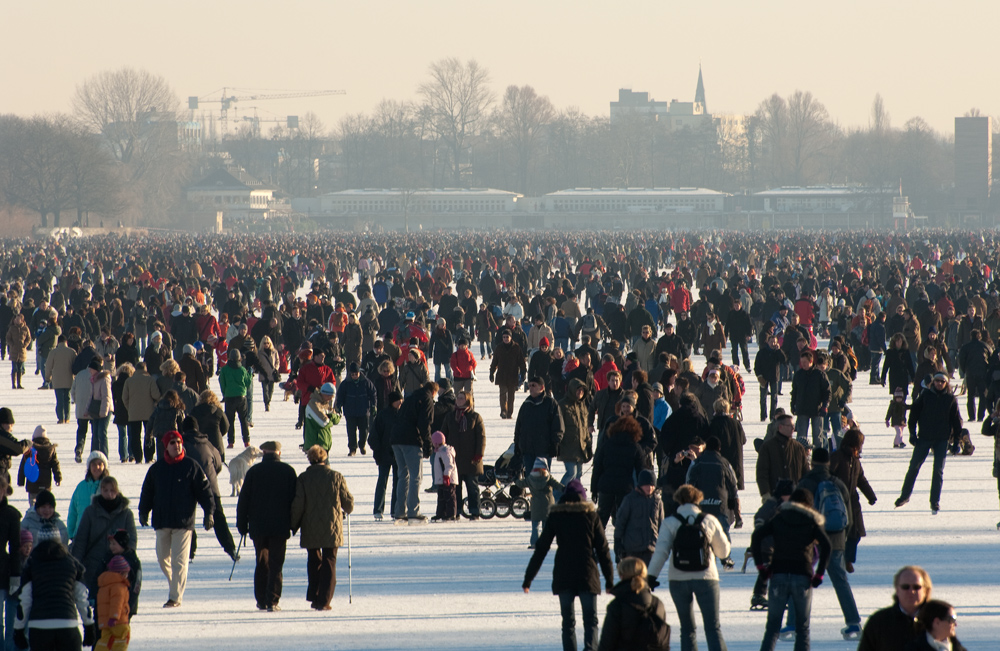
pixel 230 96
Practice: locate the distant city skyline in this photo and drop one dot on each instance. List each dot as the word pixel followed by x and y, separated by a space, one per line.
pixel 926 59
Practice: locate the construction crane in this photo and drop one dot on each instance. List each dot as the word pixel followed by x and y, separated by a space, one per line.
pixel 227 100
pixel 290 122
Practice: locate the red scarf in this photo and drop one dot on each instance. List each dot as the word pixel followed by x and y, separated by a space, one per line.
pixel 172 460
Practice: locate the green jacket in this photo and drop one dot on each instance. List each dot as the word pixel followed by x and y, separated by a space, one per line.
pixel 234 381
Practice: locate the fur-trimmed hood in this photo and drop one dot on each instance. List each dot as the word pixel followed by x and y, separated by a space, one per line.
pixel 805 511
pixel 573 507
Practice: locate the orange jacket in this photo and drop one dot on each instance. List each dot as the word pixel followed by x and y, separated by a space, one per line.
pixel 112 598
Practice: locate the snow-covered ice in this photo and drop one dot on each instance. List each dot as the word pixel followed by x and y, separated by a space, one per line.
pixel 457 585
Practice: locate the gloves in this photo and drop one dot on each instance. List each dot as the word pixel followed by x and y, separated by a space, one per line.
pixel 144 521
pixel 871 502
pixel 887 423
pixel 446 480
pixel 20 639
pixel 112 622
pixel 816 580
pixel 822 411
pixel 492 377
pixel 764 571
pixel 15 585
pixel 209 522
pixel 651 580
pixel 89 634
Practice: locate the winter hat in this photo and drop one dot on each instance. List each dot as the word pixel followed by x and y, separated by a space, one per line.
pixel 540 463
pixel 932 329
pixel 353 368
pixel 6 416
pixel 571 365
pixel 630 398
pixel 170 436
pixel 189 350
pixel 940 376
pixel 121 537
pixel 784 487
pixel 841 302
pixel 393 397
pixel 820 456
pixel 235 356
pixel 97 455
pixel 574 492
pixel 118 564
pixel 96 363
pixel 305 354
pixel 658 387
pixel 327 389
pixel 157 335
pixel 444 384
pixel 899 392
pixel 45 498
pixel 270 446
pixel 544 341
pixel 26 537
pixel 870 294
pixel 410 315
pixel 39 433
pixel 437 438
pixel 646 478
pixel 190 424
pixel 198 346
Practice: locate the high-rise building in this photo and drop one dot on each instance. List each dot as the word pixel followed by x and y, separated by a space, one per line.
pixel 973 164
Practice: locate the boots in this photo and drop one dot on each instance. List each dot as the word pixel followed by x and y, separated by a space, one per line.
pixel 19 376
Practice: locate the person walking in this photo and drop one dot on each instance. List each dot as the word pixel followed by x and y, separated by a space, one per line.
pixel 690 581
pixel 173 488
pixel 321 500
pixel 810 400
pixel 577 531
pixel 538 431
pixel 845 464
pixel 108 513
pixel 140 396
pixel 894 627
pixel 234 382
pixel 767 367
pixel 780 457
pixel 639 518
pixel 796 529
pixel 199 448
pixel 934 418
pixel 357 401
pixel 411 442
pixel 264 512
pixel 381 445
pixel 464 430
pixel 268 362
pixel 506 370
pixel 59 376
pixel 92 395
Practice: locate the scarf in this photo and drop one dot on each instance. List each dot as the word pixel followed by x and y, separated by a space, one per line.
pixel 172 460
pixel 460 419
pixel 109 505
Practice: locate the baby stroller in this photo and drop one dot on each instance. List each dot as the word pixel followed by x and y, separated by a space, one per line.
pixel 500 497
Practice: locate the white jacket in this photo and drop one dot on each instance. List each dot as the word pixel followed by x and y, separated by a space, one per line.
pixel 665 543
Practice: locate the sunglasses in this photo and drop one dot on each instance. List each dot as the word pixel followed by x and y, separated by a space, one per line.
pixel 910 586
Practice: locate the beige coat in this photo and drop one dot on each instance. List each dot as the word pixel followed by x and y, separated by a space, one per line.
pixel 140 395
pixel 18 338
pixel 59 366
pixel 321 498
pixel 87 388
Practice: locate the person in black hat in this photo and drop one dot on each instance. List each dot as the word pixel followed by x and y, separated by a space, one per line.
pixel 768 510
pixel 639 519
pixel 9 446
pixel 120 544
pixel 356 400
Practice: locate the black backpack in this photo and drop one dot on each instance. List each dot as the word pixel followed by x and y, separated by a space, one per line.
pixel 652 632
pixel 692 549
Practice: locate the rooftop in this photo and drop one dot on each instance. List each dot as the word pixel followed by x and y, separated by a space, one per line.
pixel 640 192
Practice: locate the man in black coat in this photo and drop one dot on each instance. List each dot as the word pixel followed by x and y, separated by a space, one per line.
pixel 810 400
pixel 264 512
pixel 411 443
pixel 671 343
pixel 739 329
pixel 973 362
pixel 935 414
pixel 893 628
pixel 767 367
pixel 198 448
pixel 174 486
pixel 539 427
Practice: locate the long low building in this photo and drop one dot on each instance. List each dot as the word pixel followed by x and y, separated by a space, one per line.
pixel 635 200
pixel 417 202
pixel 824 198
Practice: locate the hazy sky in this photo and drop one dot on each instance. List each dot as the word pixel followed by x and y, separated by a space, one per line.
pixel 926 58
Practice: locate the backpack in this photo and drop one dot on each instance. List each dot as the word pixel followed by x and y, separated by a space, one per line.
pixel 589 323
pixel 830 502
pixel 864 336
pixel 692 550
pixel 652 633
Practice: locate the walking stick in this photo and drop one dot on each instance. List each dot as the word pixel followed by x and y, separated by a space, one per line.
pixel 350 574
pixel 238 547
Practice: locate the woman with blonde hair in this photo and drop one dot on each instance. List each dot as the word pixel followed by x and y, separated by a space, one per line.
pixel 632 603
pixel 212 421
pixel 267 359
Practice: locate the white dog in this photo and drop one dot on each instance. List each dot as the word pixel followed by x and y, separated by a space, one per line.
pixel 238 467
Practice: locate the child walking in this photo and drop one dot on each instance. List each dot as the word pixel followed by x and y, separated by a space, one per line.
pixel 895 416
pixel 541 484
pixel 112 606
pixel 120 545
pixel 445 478
pixel 39 466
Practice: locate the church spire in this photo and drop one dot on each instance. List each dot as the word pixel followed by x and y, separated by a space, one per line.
pixel 699 93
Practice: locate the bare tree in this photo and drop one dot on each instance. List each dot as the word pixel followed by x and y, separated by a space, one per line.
pixel 457 100
pixel 95 180
pixel 133 111
pixel 771 128
pixel 810 134
pixel 522 115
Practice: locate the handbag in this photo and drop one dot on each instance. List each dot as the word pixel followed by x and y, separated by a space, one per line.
pixel 94 408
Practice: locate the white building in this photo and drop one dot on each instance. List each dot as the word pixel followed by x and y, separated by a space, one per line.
pixel 239 200
pixel 824 198
pixel 416 202
pixel 635 200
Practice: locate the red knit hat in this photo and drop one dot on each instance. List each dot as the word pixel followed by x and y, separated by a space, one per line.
pixel 544 342
pixel 118 564
pixel 170 436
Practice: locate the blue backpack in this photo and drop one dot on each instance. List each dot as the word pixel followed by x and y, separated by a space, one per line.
pixel 31 466
pixel 830 502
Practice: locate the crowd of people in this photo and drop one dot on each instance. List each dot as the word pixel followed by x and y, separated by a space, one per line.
pixel 592 342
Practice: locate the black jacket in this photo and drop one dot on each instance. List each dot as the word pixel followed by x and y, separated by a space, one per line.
pixel 731 434
pixel 713 476
pixel 10 541
pixel 212 422
pixel 684 423
pixel 618 459
pixel 738 325
pixel 974 359
pixel 898 365
pixel 56 587
pixel 671 344
pixel 794 529
pixel 264 509
pixel 172 491
pixel 626 610
pixel 539 427
pixel 889 629
pixel 413 427
pixel 198 447
pixel 380 439
pixel 767 363
pixel 810 392
pixel 577 530
pixel 935 413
